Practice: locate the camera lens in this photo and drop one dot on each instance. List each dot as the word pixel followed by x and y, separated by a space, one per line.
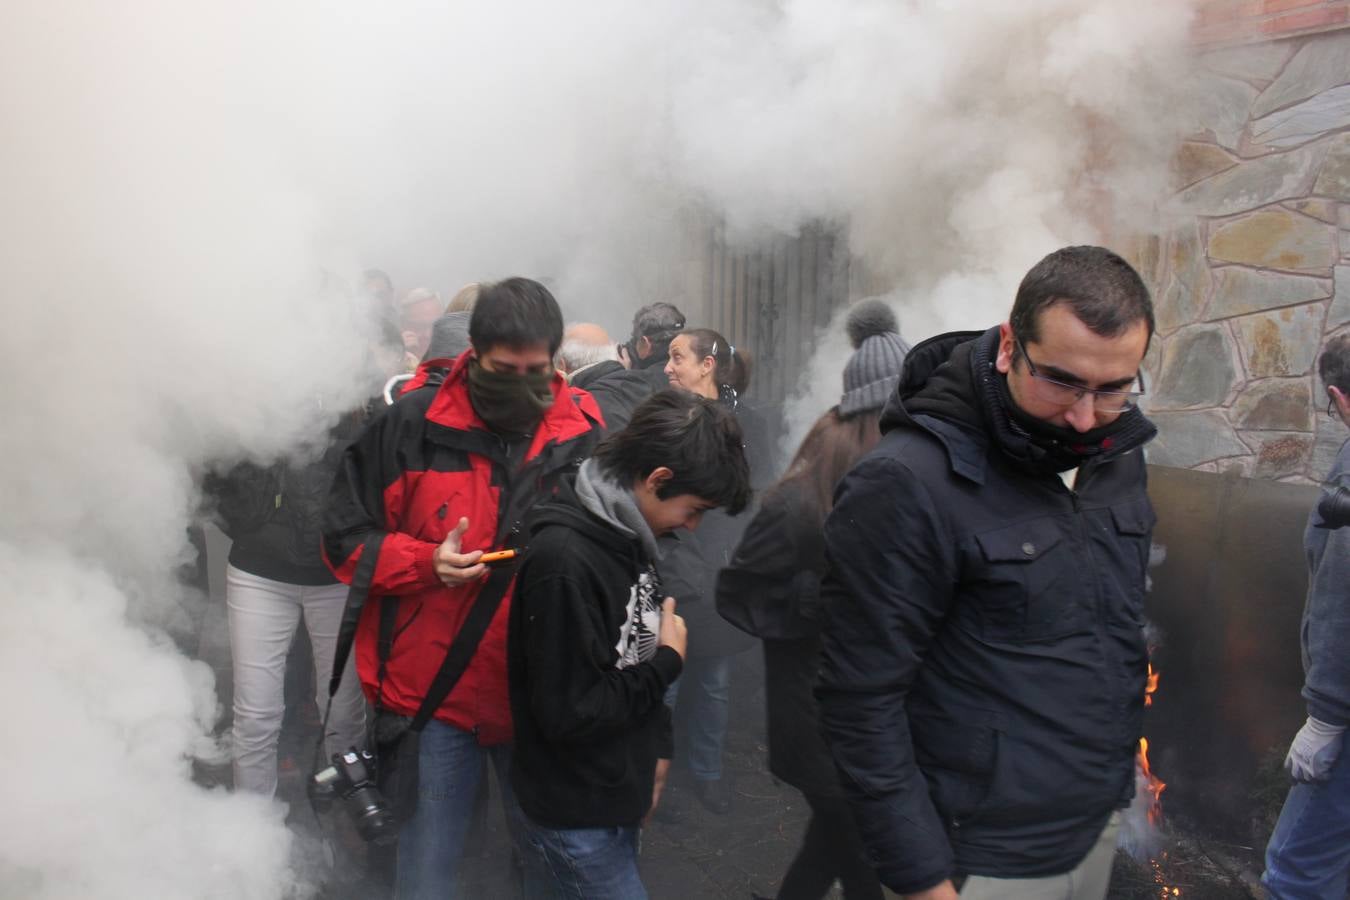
pixel 1334 508
pixel 373 819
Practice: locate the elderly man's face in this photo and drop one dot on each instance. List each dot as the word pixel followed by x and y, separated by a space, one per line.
pixel 418 320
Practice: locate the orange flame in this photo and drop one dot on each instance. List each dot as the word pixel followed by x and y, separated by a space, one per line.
pixel 1154 786
pixel 1152 686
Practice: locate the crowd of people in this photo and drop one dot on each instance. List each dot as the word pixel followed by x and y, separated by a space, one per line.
pixel 542 548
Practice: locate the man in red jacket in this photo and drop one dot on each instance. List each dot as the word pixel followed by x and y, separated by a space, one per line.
pixel 446 474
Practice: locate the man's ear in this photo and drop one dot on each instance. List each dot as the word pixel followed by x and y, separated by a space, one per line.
pixel 644 347
pixel 1003 361
pixel 657 478
pixel 1342 401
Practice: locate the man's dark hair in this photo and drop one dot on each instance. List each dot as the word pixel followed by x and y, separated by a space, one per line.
pixel 698 440
pixel 378 275
pixel 514 313
pixel 1333 366
pixel 658 323
pixel 1104 292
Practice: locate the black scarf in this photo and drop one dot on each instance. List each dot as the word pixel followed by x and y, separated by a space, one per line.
pixel 968 390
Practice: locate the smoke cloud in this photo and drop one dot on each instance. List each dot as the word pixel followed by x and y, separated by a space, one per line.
pixel 190 187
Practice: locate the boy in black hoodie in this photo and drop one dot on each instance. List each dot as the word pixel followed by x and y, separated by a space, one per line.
pixel 592 649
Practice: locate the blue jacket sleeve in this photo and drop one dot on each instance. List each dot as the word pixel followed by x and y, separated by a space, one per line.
pixel 1326 617
pixel 889 585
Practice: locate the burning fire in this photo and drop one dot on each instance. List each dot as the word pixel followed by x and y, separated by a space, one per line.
pixel 1154 787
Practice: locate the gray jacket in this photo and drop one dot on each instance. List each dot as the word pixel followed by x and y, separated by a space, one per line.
pixel 1326 615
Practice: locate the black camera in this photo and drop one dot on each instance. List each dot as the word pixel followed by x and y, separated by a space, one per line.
pixel 351 779
pixel 1334 508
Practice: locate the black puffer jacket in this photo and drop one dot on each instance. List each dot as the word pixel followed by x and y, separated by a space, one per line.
pixel 274 514
pixel 982 683
pixel 771 590
pixel 617 390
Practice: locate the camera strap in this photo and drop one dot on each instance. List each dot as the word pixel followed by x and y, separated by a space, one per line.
pixel 518 501
pixel 465 643
pixel 351 613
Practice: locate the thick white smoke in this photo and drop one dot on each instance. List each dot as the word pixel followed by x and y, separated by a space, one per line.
pixel 181 179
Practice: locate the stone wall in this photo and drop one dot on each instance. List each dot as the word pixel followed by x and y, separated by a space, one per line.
pixel 1257 275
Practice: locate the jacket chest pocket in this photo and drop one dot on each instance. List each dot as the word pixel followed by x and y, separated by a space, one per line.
pixel 1023 585
pixel 1126 543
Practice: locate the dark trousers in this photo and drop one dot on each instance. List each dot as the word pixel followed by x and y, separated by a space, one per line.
pixel 832 849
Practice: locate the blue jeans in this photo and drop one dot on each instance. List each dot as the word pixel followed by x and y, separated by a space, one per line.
pixel 582 863
pixel 706 686
pixel 450 766
pixel 1309 852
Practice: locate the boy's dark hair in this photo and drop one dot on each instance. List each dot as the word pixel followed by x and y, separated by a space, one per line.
pixel 692 436
pixel 513 313
pixel 1104 292
pixel 1333 366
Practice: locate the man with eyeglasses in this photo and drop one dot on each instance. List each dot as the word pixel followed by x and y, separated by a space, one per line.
pixel 982 683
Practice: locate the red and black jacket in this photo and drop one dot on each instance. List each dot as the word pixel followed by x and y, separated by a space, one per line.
pixel 427 461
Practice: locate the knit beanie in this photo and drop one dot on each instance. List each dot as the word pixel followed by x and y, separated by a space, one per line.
pixel 449 336
pixel 873 370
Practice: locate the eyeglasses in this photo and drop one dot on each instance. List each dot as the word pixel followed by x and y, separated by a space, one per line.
pixel 1059 393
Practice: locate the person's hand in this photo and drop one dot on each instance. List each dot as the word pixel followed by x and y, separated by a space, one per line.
pixel 662 770
pixel 624 357
pixel 673 633
pixel 944 891
pixel 455 568
pixel 1314 751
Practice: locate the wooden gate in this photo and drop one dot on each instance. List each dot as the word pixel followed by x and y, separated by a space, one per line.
pixel 774 300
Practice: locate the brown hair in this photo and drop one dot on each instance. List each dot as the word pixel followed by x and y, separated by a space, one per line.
pixel 730 366
pixel 466 299
pixel 826 454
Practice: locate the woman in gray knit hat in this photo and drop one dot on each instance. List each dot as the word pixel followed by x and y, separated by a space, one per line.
pixel 772 590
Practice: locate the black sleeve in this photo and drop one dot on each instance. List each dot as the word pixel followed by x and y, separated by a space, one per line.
pixel 888 587
pixel 355 510
pixel 245 497
pixel 575 692
pixel 665 735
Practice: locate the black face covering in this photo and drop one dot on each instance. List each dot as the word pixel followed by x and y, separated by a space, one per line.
pixel 1064 448
pixel 508 402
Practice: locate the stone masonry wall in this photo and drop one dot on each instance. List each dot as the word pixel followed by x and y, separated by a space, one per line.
pixel 1257 275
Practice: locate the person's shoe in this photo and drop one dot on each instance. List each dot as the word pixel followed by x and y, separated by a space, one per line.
pixel 715 795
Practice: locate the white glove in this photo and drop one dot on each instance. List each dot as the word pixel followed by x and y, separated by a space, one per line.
pixel 1314 751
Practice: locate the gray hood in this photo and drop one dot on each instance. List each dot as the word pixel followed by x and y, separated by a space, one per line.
pixel 615 504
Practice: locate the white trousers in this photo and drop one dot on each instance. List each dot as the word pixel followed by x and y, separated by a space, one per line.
pixel 1089 880
pixel 263 617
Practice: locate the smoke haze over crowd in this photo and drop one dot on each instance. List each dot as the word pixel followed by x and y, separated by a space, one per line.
pixel 189 185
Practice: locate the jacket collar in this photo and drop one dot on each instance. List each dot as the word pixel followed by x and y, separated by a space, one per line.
pixel 574 413
pixel 946 389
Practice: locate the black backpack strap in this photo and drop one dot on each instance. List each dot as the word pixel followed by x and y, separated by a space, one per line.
pixel 465 644
pixel 518 503
pixel 351 613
